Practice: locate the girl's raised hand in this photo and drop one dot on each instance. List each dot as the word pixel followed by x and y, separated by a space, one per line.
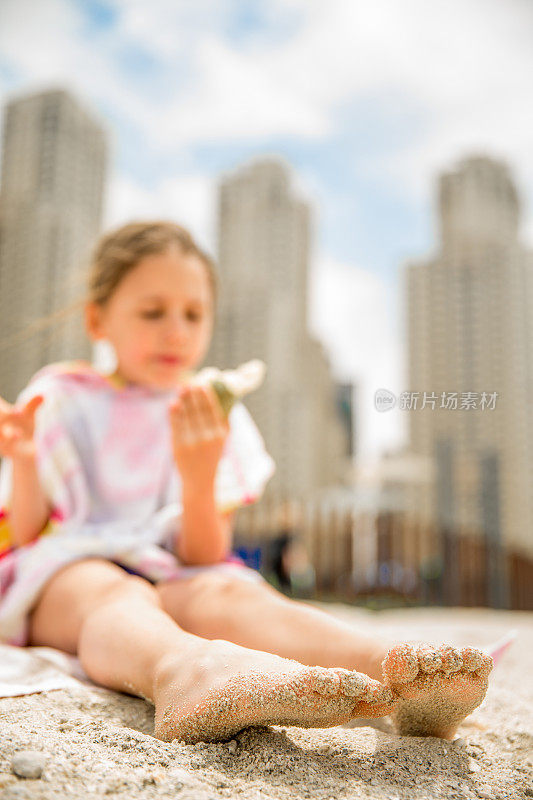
pixel 17 426
pixel 199 430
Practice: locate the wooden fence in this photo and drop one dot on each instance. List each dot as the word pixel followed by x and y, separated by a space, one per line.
pixel 388 557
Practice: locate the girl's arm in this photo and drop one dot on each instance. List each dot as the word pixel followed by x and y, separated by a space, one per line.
pixel 199 430
pixel 206 534
pixel 29 509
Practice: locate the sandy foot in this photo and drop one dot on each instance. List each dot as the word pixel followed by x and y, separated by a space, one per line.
pixel 437 686
pixel 267 690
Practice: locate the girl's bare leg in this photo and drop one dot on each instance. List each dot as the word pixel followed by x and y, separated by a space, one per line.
pixel 88 609
pixel 201 689
pixel 218 606
pixel 436 687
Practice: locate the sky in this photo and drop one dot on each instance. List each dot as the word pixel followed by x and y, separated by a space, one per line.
pixel 367 101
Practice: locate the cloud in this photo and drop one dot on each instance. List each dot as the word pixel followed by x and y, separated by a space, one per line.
pixel 45 45
pixel 354 314
pixel 188 199
pixel 465 67
pixel 461 69
pixel 39 39
pixel 236 98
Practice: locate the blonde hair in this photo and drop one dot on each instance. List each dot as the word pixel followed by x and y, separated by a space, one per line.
pixel 120 250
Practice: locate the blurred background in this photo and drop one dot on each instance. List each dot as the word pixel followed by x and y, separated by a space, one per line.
pixel 362 173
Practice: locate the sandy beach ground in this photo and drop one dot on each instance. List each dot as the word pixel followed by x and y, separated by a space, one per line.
pixel 98 743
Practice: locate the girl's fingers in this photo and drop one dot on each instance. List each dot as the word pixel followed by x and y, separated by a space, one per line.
pixel 199 416
pixel 9 435
pixel 7 429
pixel 180 424
pixel 215 409
pixel 10 416
pixel 19 413
pixel 193 409
pixel 27 413
pixel 203 410
pixel 33 404
pixel 208 411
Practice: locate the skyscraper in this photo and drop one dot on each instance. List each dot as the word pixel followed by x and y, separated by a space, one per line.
pixel 53 167
pixel 264 240
pixel 470 329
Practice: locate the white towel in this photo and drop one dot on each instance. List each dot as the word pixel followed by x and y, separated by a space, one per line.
pixel 27 670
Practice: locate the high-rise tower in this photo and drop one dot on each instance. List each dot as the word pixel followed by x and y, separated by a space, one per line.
pixel 470 328
pixel 53 166
pixel 264 239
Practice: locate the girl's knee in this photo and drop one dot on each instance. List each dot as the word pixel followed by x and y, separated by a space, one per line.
pixel 74 592
pixel 210 595
pixel 221 585
pixel 94 580
pixel 141 587
pixel 124 585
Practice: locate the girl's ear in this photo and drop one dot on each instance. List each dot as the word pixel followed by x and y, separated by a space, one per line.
pixel 93 321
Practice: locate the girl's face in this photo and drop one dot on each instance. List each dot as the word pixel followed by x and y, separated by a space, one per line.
pixel 159 319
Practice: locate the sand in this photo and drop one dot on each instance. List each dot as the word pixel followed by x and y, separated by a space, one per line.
pixel 98 743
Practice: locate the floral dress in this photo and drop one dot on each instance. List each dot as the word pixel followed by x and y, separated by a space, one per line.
pixel 105 463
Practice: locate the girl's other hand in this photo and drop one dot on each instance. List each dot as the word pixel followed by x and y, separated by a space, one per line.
pixel 199 431
pixel 17 426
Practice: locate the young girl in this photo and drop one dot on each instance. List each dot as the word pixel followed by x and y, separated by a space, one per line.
pixel 118 494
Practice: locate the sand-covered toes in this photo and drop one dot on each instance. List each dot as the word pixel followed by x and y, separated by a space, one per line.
pixel 308 697
pixel 437 687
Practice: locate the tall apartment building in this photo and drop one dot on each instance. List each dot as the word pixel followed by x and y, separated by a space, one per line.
pixel 264 235
pixel 53 166
pixel 470 330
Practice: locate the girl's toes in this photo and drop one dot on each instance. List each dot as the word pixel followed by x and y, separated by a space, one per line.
pixel 451 659
pixel 476 661
pixel 325 681
pixel 377 701
pixel 472 659
pixel 378 693
pixel 401 664
pixel 429 658
pixel 486 666
pixel 353 684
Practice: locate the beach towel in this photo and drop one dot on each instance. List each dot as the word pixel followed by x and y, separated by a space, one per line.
pixel 28 670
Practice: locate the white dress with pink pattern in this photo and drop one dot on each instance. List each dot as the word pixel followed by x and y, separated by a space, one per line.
pixel 105 463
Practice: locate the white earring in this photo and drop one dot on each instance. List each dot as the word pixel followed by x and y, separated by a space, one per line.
pixel 104 356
